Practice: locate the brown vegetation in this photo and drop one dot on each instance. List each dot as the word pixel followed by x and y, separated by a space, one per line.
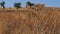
pixel 30 21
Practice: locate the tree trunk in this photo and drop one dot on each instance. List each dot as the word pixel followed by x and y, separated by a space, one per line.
pixel 3 8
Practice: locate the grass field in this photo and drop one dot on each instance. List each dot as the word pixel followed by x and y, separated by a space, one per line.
pixel 30 21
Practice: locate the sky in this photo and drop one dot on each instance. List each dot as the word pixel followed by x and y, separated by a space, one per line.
pixel 53 3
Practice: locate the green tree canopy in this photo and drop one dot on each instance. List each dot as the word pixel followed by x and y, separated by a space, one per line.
pixel 29 3
pixel 17 5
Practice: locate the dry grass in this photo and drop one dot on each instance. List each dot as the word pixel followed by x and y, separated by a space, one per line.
pixel 30 21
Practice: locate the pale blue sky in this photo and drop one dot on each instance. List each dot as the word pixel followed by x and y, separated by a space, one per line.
pixel 55 3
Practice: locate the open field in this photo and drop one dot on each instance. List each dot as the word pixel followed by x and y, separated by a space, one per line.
pixel 30 21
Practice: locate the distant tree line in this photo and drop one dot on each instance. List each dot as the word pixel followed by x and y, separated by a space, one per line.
pixel 16 4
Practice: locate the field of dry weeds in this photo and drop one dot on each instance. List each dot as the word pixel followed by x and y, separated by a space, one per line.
pixel 30 21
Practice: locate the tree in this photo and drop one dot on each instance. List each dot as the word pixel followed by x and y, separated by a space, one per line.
pixel 2 4
pixel 17 5
pixel 29 3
